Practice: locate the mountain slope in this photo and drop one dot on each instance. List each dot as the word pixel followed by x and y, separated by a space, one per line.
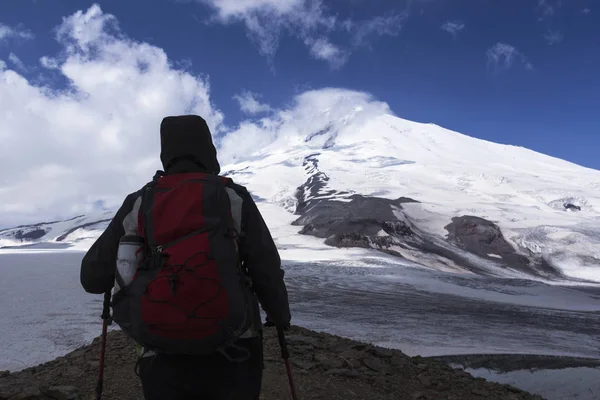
pixel 352 180
pixel 78 232
pixel 509 201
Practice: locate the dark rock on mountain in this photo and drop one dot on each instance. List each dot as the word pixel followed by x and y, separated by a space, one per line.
pixel 39 224
pixel 485 239
pixel 482 237
pixel 33 234
pixel 352 220
pixel 573 207
pixel 357 223
pixel 86 225
pixel 40 234
pixel 313 185
pixel 325 132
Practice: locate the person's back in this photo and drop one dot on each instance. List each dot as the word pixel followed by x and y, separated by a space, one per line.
pixel 187 150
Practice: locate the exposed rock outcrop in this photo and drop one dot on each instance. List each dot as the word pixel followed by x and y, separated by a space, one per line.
pixel 344 219
pixel 325 367
pixel 572 207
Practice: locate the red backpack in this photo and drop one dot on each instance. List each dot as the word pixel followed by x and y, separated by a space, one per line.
pixel 180 287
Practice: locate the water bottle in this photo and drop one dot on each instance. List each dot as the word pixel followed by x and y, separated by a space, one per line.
pixel 129 256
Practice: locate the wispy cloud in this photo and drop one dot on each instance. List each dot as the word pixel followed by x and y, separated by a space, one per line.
pixel 503 56
pixel 548 10
pixel 453 27
pixel 308 20
pixel 323 49
pixel 553 37
pixel 8 32
pixel 250 104
pixel 389 25
pixel 586 11
pixel 266 20
pixel 17 62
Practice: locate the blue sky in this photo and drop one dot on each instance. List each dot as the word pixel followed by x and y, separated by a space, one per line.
pixel 520 72
pixel 424 72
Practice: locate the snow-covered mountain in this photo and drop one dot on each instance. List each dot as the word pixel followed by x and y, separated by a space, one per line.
pixel 352 187
pixel 75 233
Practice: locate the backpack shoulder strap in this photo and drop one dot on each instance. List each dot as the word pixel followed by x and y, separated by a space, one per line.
pixel 236 203
pixel 147 200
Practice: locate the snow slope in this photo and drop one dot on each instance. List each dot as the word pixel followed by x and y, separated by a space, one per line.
pixel 75 233
pixel 349 151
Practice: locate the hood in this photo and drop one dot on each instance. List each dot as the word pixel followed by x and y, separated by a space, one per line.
pixel 187 137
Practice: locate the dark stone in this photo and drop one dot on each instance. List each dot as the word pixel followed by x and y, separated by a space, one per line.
pixel 399 361
pixel 343 372
pixel 377 365
pixel 381 352
pixel 304 365
pixel 353 363
pixel 328 362
pixel 301 340
pixel 424 380
pixel 422 367
pixel 479 236
pixel 480 392
pixel 482 237
pixel 573 207
pixel 396 228
pixel 62 392
pixel 93 365
pixel 30 235
pixel 28 393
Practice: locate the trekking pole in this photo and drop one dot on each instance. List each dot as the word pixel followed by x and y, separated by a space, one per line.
pixel 105 323
pixel 285 354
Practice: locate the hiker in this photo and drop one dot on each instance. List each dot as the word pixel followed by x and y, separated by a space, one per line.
pixel 170 366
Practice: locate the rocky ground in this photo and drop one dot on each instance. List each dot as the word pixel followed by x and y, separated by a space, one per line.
pixel 325 367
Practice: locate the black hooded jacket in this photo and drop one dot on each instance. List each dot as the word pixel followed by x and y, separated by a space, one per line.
pixel 186 146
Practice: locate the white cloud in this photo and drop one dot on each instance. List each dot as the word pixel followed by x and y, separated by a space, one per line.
pixel 323 49
pixel 311 111
pixel 307 20
pixel 250 104
pixel 453 27
pixel 265 20
pixel 503 56
pixel 64 152
pixel 7 32
pixel 390 25
pixel 586 11
pixel 240 8
pixel 553 37
pixel 547 9
pixel 98 139
pixel 12 57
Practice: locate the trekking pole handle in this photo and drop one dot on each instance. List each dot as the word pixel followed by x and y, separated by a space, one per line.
pixel 285 353
pixel 106 305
